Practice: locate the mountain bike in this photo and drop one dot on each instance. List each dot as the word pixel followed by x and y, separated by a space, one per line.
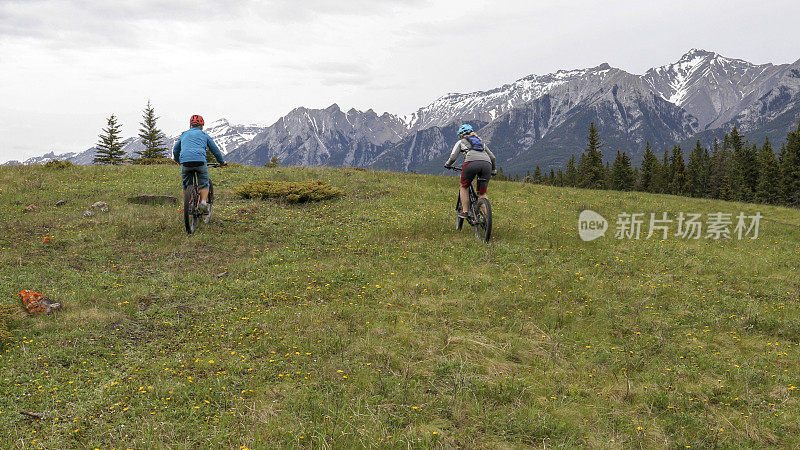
pixel 192 215
pixel 479 212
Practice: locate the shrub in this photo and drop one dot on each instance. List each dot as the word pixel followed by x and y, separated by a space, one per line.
pixel 57 164
pixel 152 161
pixel 294 192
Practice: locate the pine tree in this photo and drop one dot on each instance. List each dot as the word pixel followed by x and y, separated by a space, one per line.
pixel 551 179
pixel 790 168
pixel 769 176
pixel 651 169
pixel 698 172
pixel 719 181
pixel 152 137
pixel 678 182
pixel 591 171
pixel 622 175
pixel 109 149
pixel 744 168
pixel 537 176
pixel 559 178
pixel 571 173
pixel 665 182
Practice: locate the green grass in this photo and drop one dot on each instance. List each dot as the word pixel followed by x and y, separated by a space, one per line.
pixel 368 321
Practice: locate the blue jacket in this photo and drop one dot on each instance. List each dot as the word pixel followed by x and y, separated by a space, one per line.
pixel 191 147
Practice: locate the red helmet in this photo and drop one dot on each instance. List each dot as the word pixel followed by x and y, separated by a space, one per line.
pixel 196 120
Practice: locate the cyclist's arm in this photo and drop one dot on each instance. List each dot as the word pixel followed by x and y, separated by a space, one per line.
pixel 454 154
pixel 491 155
pixel 215 150
pixel 176 151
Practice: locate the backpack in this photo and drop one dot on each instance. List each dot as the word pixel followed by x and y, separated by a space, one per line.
pixel 475 143
pixel 37 303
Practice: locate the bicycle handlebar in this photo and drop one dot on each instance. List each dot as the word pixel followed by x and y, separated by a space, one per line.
pixel 216 165
pixel 455 169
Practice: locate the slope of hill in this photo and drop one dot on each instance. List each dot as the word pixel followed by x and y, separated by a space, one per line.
pixel 369 321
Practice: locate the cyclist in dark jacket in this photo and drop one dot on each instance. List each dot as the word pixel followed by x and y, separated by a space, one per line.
pixel 478 161
pixel 190 152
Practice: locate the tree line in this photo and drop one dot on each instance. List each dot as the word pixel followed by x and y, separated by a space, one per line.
pixel 109 147
pixel 733 169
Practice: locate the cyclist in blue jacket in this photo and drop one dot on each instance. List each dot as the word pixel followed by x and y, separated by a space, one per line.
pixel 190 152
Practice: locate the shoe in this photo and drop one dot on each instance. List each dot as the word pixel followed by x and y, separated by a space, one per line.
pixel 203 207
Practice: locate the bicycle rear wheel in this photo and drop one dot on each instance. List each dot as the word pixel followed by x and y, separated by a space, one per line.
pixel 207 218
pixel 189 206
pixel 483 219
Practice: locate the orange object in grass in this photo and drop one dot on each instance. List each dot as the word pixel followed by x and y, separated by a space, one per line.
pixel 46 240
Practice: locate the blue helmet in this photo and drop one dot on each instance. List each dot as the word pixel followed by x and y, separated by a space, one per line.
pixel 465 129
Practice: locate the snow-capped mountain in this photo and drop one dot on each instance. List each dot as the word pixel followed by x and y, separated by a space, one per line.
pixel 323 137
pixel 536 120
pixel 487 105
pixel 225 135
pixel 228 137
pixel 711 87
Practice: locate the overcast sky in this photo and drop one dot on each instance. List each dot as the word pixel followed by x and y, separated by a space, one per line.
pixel 66 65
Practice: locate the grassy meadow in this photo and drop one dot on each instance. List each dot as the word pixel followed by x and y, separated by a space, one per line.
pixel 369 321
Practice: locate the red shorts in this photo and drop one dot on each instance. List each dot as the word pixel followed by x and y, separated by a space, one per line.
pixel 481 169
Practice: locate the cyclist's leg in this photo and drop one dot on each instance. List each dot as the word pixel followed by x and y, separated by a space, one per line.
pixel 484 175
pixel 203 179
pixel 467 175
pixel 186 178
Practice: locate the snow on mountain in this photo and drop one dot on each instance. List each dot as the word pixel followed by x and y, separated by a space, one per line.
pixel 711 87
pixel 228 137
pixel 538 116
pixel 323 136
pixel 485 106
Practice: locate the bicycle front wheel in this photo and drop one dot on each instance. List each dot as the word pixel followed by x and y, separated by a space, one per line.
pixel 459 220
pixel 483 219
pixel 189 205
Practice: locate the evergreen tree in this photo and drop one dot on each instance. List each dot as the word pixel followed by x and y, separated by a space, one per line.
pixel 551 179
pixel 537 176
pixel 719 181
pixel 651 169
pixel 109 149
pixel 790 168
pixel 622 175
pixel 744 168
pixel 152 137
pixel 769 176
pixel 665 182
pixel 571 173
pixel 591 171
pixel 698 172
pixel 678 182
pixel 559 178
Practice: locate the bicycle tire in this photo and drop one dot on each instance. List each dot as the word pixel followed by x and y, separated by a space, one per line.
pixel 459 220
pixel 207 218
pixel 483 219
pixel 189 202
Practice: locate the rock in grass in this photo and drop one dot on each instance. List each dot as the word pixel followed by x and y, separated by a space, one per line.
pixel 102 206
pixel 60 203
pixel 31 207
pixel 88 213
pixel 153 199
